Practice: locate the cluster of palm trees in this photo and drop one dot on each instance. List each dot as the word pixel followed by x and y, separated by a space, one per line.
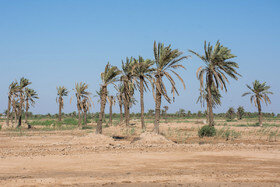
pixel 139 74
pixel 20 97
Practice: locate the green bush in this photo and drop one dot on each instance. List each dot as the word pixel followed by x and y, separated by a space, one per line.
pixel 207 130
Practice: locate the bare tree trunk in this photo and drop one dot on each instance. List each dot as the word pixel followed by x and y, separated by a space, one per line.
pixel 102 108
pixel 260 112
pixel 60 108
pixel 142 102
pixel 8 111
pixel 210 106
pixel 157 110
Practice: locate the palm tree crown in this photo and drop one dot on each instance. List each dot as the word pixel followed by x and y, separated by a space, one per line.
pixel 217 63
pixel 110 74
pixel 258 91
pixel 166 61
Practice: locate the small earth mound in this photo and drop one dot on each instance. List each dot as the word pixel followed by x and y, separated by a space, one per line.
pixel 94 139
pixel 152 138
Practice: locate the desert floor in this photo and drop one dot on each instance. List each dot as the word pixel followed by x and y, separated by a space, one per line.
pixel 249 156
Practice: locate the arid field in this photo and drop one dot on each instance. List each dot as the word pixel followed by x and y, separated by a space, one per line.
pixel 241 154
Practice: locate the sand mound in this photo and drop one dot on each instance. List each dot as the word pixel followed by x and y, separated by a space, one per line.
pixel 94 139
pixel 152 138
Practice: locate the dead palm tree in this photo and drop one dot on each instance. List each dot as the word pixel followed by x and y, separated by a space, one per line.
pixel 30 95
pixel 81 93
pixel 112 101
pixel 61 92
pixel 12 91
pixel 143 71
pixel 128 85
pixel 218 64
pixel 166 60
pixel 22 85
pixel 109 76
pixel 259 92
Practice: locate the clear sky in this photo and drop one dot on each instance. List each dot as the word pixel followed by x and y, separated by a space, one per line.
pixel 60 42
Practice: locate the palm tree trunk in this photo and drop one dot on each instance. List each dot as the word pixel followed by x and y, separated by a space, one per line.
pixel 85 118
pixel 8 111
pixel 111 111
pixel 121 114
pixel 26 111
pixel 102 108
pixel 20 109
pixel 60 107
pixel 79 123
pixel 142 102
pixel 15 113
pixel 210 105
pixel 126 113
pixel 157 110
pixel 260 112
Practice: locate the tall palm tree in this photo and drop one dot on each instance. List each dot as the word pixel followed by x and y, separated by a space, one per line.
pixel 81 93
pixel 109 76
pixel 30 95
pixel 128 85
pixel 12 91
pixel 167 61
pixel 22 86
pixel 218 64
pixel 112 102
pixel 61 92
pixel 143 71
pixel 259 92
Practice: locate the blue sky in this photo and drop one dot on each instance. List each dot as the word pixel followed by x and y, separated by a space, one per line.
pixel 58 42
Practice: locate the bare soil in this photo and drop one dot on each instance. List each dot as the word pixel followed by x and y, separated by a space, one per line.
pixel 128 157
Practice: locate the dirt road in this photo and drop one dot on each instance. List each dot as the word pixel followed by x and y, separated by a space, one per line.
pixel 64 159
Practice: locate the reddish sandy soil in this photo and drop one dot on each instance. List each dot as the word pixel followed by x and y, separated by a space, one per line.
pixel 80 158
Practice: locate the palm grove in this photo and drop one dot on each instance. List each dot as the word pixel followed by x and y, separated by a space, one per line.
pixel 142 75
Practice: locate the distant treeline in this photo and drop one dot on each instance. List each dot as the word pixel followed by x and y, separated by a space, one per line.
pixel 150 114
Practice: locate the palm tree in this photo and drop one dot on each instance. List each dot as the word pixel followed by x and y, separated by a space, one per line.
pixel 109 76
pixel 30 95
pixel 128 85
pixel 86 104
pixel 12 91
pixel 167 61
pixel 259 92
pixel 143 71
pixel 218 64
pixel 81 93
pixel 112 102
pixel 165 112
pixel 22 85
pixel 61 92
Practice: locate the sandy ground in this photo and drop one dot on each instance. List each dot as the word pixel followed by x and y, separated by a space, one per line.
pixel 81 158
